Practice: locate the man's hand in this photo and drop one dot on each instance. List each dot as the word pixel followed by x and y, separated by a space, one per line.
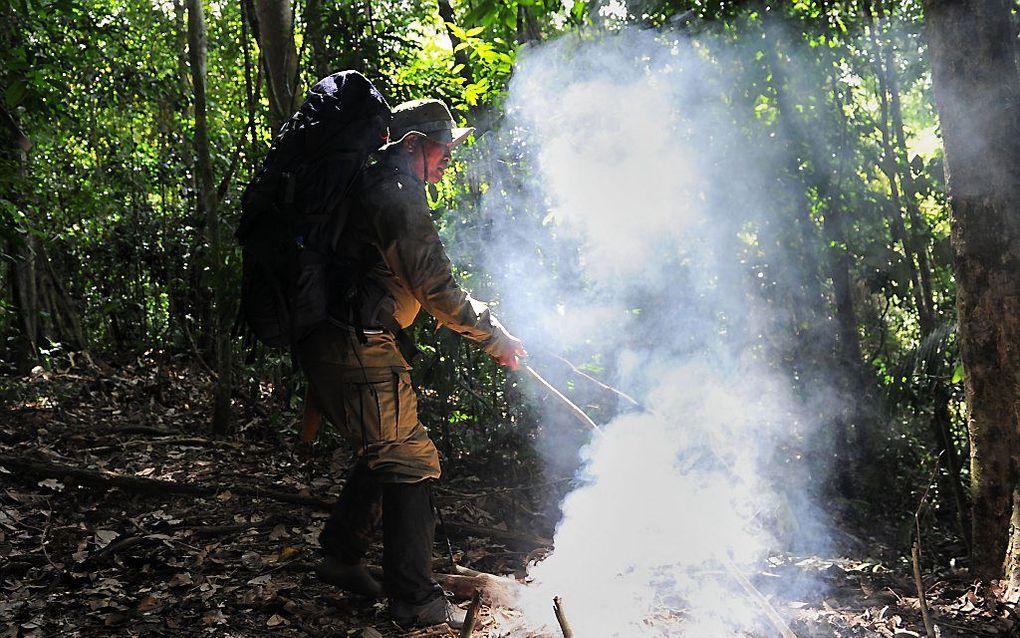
pixel 510 352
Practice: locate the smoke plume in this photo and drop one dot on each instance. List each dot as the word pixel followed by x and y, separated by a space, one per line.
pixel 632 202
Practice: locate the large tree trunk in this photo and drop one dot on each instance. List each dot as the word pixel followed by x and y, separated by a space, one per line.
pixel 977 91
pixel 219 336
pixel 274 30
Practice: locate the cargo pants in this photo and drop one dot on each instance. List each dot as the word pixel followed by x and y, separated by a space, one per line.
pixel 365 391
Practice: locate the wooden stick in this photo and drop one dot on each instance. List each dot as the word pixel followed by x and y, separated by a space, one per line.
pixel 561 618
pixel 758 597
pixel 472 615
pixel 493 589
pixel 915 553
pixel 576 411
pixel 915 558
pixel 605 386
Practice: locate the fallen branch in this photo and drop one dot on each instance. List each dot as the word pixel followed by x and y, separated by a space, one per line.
pixel 495 590
pixel 140 429
pixel 105 479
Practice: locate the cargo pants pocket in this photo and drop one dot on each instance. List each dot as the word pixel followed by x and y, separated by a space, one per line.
pixel 382 416
pixel 376 409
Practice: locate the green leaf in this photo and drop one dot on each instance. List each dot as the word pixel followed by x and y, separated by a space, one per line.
pixel 958 373
pixel 15 93
pixel 470 33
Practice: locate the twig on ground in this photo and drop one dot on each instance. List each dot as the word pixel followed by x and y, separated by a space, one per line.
pixel 915 553
pixel 45 534
pixel 472 615
pixel 561 618
pixel 118 545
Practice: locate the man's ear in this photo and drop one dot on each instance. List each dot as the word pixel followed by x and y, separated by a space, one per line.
pixel 411 143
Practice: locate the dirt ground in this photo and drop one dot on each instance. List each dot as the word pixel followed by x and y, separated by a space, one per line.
pixel 83 556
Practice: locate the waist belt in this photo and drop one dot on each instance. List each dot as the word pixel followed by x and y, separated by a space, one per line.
pixel 346 326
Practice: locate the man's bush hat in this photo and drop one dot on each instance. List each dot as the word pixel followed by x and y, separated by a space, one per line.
pixel 428 118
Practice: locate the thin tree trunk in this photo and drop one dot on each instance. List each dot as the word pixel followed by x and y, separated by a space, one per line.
pixel 26 301
pixel 316 38
pixel 460 56
pixel 977 91
pixel 918 229
pixel 21 271
pixel 207 205
pixel 274 30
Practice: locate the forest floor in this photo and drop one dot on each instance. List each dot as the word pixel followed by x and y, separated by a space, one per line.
pixel 98 554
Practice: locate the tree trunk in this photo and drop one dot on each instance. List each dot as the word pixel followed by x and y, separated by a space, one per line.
pixel 977 91
pixel 460 56
pixel 316 38
pixel 274 30
pixel 219 336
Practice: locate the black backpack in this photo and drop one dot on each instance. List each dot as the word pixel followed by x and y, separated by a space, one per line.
pixel 294 210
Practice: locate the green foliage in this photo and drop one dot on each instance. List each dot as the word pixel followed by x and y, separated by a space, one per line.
pixel 102 90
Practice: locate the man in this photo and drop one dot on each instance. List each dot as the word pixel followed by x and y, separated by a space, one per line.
pixel 392 264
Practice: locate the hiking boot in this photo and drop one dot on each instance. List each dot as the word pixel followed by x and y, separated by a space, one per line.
pixel 435 612
pixel 350 578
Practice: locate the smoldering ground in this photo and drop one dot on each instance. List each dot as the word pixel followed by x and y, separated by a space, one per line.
pixel 634 205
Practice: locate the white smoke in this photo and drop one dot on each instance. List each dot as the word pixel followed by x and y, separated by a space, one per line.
pixel 628 187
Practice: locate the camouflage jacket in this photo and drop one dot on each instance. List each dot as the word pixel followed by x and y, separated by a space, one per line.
pixel 391 236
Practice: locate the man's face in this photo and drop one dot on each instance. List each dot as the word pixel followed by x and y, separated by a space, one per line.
pixel 429 158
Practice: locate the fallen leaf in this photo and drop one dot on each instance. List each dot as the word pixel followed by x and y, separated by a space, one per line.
pixel 278 532
pixel 225 495
pixel 52 484
pixel 276 620
pixel 251 560
pixel 115 618
pixel 181 579
pixel 146 472
pixel 104 537
pixel 214 617
pixel 288 552
pixel 148 603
